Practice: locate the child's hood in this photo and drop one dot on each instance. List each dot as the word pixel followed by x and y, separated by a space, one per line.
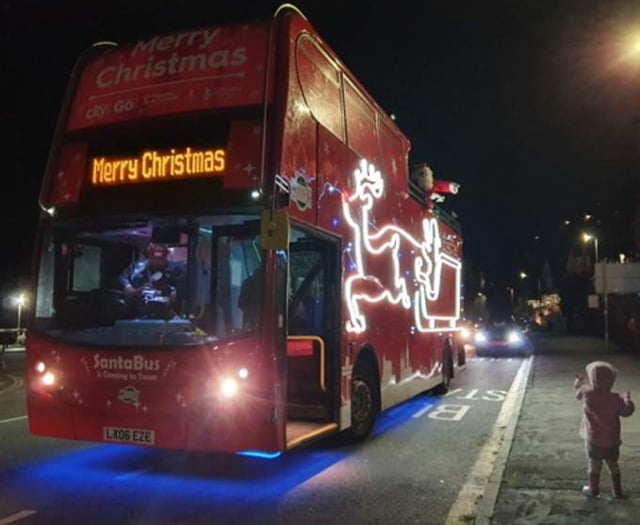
pixel 601 375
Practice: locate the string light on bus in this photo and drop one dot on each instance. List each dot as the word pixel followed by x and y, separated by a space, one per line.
pixel 427 266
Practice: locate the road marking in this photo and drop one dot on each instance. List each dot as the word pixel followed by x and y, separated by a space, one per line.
pixel 451 392
pixel 17 516
pixel 10 420
pixel 474 491
pixel 422 411
pixel 15 383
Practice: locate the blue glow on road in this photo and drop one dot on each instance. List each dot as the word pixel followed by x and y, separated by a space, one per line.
pixel 165 486
pixel 403 413
pixel 259 454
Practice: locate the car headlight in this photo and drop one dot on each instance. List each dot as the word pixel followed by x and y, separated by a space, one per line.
pixel 514 337
pixel 481 337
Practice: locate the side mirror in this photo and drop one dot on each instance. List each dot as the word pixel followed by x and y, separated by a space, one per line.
pixel 274 229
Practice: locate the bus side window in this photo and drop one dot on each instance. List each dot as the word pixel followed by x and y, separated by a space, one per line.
pixel 306 298
pixel 86 260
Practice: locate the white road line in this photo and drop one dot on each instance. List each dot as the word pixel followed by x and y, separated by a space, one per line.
pixel 422 411
pixel 451 392
pixel 17 516
pixel 474 491
pixel 11 420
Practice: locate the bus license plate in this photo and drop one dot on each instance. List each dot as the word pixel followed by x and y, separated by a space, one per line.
pixel 129 435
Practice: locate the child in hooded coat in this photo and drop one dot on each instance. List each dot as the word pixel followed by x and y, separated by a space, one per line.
pixel 600 427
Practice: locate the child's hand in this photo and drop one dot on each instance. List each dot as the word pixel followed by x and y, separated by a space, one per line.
pixel 627 396
pixel 579 377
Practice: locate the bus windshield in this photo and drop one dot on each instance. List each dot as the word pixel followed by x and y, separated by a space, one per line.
pixel 151 283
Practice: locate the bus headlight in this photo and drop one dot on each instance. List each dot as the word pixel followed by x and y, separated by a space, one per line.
pixel 465 333
pixel 229 387
pixel 48 379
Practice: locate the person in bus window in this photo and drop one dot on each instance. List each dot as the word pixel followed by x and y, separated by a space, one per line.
pixel 422 176
pixel 250 298
pixel 151 283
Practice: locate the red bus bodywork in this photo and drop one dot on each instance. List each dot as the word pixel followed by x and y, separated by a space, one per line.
pixel 389 266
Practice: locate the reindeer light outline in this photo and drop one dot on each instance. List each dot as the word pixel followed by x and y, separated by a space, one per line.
pixel 428 261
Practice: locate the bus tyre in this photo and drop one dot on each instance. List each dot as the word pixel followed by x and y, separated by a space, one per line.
pixel 364 404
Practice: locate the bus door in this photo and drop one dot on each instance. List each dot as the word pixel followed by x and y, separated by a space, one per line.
pixel 313 337
pixel 246 307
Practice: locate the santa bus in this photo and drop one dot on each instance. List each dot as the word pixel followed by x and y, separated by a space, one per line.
pixel 231 256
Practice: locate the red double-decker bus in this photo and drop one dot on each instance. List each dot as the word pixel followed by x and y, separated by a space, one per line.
pixel 230 255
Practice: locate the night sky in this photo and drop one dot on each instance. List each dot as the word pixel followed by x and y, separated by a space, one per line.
pixel 533 106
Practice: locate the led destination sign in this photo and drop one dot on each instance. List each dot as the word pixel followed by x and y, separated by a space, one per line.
pixel 156 165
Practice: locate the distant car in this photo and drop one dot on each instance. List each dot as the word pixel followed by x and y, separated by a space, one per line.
pixel 502 338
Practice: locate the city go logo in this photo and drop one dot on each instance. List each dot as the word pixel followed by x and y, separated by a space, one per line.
pixel 136 363
pixel 99 111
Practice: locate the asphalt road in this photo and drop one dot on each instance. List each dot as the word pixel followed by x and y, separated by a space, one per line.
pixel 411 470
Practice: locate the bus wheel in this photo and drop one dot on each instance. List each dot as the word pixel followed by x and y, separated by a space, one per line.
pixel 364 405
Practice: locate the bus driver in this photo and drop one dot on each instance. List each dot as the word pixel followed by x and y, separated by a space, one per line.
pixel 151 283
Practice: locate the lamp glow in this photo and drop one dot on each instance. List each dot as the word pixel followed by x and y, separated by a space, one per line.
pixel 20 300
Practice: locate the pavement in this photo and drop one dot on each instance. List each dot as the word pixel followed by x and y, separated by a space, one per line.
pixel 544 467
pixel 11 367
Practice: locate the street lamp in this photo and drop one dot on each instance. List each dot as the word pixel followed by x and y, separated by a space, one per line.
pixel 586 238
pixel 19 302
